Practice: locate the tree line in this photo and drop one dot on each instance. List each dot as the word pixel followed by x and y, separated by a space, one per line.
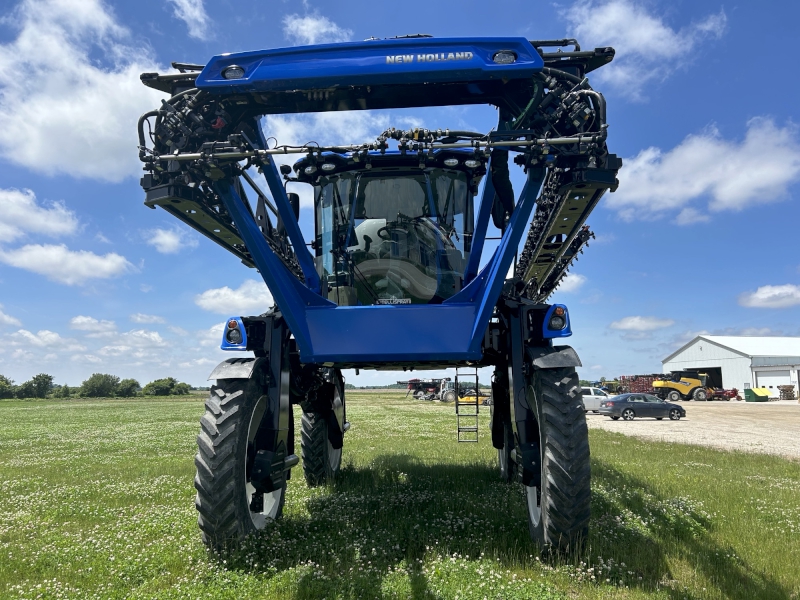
pixel 99 385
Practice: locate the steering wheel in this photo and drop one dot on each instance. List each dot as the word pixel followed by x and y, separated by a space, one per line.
pixel 384 232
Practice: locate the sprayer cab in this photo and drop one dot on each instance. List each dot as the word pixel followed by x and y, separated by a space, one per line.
pixel 392 228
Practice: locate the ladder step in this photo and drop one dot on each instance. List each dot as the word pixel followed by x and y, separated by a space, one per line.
pixel 472 428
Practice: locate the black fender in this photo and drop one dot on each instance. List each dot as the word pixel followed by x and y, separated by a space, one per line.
pixel 236 368
pixel 553 357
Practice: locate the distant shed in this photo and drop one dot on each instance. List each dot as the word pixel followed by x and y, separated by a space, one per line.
pixel 740 361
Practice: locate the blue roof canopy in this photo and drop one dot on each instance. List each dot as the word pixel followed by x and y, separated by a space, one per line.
pixel 393 73
pixel 404 61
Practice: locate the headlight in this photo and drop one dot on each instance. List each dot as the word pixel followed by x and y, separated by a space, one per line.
pixel 472 163
pixel 556 322
pixel 233 72
pixel 310 170
pixel 451 162
pixel 327 167
pixel 233 335
pixel 504 57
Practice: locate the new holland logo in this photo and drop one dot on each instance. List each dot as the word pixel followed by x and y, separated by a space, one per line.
pixel 438 57
pixel 393 300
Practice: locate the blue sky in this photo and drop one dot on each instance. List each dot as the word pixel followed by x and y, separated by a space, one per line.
pixel 702 235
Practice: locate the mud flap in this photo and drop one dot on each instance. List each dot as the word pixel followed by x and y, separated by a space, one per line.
pixel 499 411
pixel 336 418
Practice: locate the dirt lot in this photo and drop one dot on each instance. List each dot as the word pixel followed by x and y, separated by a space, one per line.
pixel 771 427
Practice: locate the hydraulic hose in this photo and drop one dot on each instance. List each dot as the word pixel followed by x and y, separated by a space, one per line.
pixel 142 144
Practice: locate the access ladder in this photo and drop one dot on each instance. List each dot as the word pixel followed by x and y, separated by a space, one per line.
pixel 467 409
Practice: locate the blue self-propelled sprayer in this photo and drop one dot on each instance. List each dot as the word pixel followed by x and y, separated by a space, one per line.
pixel 396 253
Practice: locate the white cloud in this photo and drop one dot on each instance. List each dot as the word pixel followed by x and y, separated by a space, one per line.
pixel 313 29
pixel 571 283
pixel 69 113
pixel 654 183
pixel 197 362
pixel 772 296
pixel 87 358
pixel 84 323
pixel 212 336
pixel 139 344
pixel 142 338
pixel 8 319
pixel 647 47
pixel 170 241
pixel 142 318
pixel 637 323
pixel 22 214
pixel 251 298
pixel 71 267
pixel 43 339
pixel 21 354
pixel 691 216
pixel 193 13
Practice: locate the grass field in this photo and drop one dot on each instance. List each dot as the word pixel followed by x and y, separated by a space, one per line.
pixel 96 501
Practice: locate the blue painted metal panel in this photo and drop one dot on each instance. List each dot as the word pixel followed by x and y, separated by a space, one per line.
pixel 487 286
pixel 304 257
pixel 380 62
pixel 479 235
pixel 548 333
pixel 391 333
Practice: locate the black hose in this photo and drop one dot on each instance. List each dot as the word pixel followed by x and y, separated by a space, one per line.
pixel 601 103
pixel 563 74
pixel 142 144
pixel 182 94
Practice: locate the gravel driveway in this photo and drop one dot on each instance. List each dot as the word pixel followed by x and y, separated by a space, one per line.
pixel 766 427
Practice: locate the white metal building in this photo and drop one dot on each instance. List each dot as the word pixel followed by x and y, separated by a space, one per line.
pixel 740 362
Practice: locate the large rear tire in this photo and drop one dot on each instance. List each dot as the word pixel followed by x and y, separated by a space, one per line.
pixel 321 461
pixel 228 507
pixel 559 508
pixel 504 453
pixel 674 396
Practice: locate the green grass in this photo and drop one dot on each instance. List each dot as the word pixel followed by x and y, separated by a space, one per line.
pixel 96 501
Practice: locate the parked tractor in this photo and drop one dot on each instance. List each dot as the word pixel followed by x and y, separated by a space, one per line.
pixel 398 251
pixel 442 389
pixel 683 385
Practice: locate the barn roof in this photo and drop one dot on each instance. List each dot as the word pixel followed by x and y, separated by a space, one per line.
pixel 749 345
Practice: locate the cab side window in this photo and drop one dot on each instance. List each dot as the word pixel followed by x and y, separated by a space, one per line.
pixel 586 391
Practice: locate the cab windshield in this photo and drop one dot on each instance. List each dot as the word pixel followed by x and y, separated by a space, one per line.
pixel 393 236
